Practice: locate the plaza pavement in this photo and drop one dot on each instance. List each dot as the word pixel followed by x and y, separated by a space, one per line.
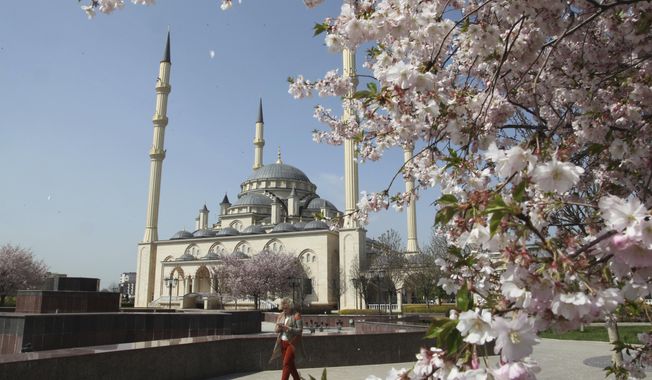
pixel 559 359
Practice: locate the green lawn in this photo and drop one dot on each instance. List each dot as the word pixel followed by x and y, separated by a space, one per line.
pixel 599 333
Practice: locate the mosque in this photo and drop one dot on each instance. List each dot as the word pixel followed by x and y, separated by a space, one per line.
pixel 275 210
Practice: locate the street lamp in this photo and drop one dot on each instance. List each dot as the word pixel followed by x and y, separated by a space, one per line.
pixel 171 282
pixel 294 283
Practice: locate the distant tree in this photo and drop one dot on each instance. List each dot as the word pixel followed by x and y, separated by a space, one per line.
pixel 338 285
pixel 19 270
pixel 360 282
pixel 390 260
pixel 265 274
pixel 425 272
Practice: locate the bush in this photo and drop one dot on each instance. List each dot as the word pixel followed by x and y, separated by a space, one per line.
pixel 422 308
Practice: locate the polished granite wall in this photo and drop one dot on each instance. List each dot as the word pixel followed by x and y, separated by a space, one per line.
pixel 37 332
pixel 57 301
pixel 206 357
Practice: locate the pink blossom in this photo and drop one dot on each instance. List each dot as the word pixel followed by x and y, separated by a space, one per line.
pixel 515 338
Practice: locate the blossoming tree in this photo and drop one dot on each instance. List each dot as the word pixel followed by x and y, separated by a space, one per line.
pixel 263 275
pixel 533 119
pixel 19 270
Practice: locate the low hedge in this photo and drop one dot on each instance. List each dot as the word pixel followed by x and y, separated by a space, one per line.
pixel 358 312
pixel 422 308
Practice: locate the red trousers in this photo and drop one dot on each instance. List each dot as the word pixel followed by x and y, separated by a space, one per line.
pixel 289 367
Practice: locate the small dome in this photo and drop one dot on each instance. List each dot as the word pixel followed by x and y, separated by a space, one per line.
pixel 316 225
pixel 212 256
pixel 253 199
pixel 278 171
pixel 182 235
pixel 186 257
pixel 283 227
pixel 300 225
pixel 240 255
pixel 319 203
pixel 253 229
pixel 203 233
pixel 227 231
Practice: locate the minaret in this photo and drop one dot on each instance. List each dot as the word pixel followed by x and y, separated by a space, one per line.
pixel 259 141
pixel 157 152
pixel 203 218
pixel 352 238
pixel 412 243
pixel 147 250
pixel 350 164
pixel 224 205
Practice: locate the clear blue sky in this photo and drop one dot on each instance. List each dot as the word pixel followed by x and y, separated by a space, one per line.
pixel 76 102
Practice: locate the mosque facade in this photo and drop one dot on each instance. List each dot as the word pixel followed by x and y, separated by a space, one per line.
pixel 277 208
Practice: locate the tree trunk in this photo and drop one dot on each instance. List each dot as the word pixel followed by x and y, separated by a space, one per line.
pixel 614 336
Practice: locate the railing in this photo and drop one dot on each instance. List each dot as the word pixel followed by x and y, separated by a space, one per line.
pixel 384 307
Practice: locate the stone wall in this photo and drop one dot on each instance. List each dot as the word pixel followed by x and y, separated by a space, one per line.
pixel 37 332
pixel 205 357
pixel 50 301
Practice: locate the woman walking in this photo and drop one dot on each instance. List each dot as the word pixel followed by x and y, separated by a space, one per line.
pixel 289 327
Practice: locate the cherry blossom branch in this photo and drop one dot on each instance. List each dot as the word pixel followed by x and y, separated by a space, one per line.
pixel 593 243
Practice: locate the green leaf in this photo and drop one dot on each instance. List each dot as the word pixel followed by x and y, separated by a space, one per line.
pixel 463 299
pixel 494 222
pixel 362 94
pixel 311 377
pixel 465 25
pixel 446 335
pixel 448 199
pixel 436 327
pixel 323 374
pixel 373 89
pixel 445 214
pixel 518 192
pixel 495 204
pixel 320 28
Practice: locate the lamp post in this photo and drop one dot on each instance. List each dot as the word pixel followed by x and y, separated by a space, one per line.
pixel 171 282
pixel 294 283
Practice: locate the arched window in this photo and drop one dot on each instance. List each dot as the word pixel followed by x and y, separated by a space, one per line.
pixel 192 250
pixel 275 246
pixel 236 224
pixel 308 256
pixel 243 247
pixel 217 248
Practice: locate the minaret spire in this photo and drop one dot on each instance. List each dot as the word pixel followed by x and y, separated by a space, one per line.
pixel 412 243
pixel 259 141
pixel 157 152
pixel 166 54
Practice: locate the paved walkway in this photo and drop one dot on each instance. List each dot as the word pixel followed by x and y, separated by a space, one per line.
pixel 560 360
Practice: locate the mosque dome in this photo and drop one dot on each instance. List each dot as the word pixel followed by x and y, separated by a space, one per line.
pixel 186 257
pixel 316 225
pixel 284 227
pixel 319 203
pixel 239 255
pixel 278 171
pixel 299 225
pixel 182 235
pixel 212 256
pixel 227 231
pixel 203 233
pixel 253 229
pixel 251 199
